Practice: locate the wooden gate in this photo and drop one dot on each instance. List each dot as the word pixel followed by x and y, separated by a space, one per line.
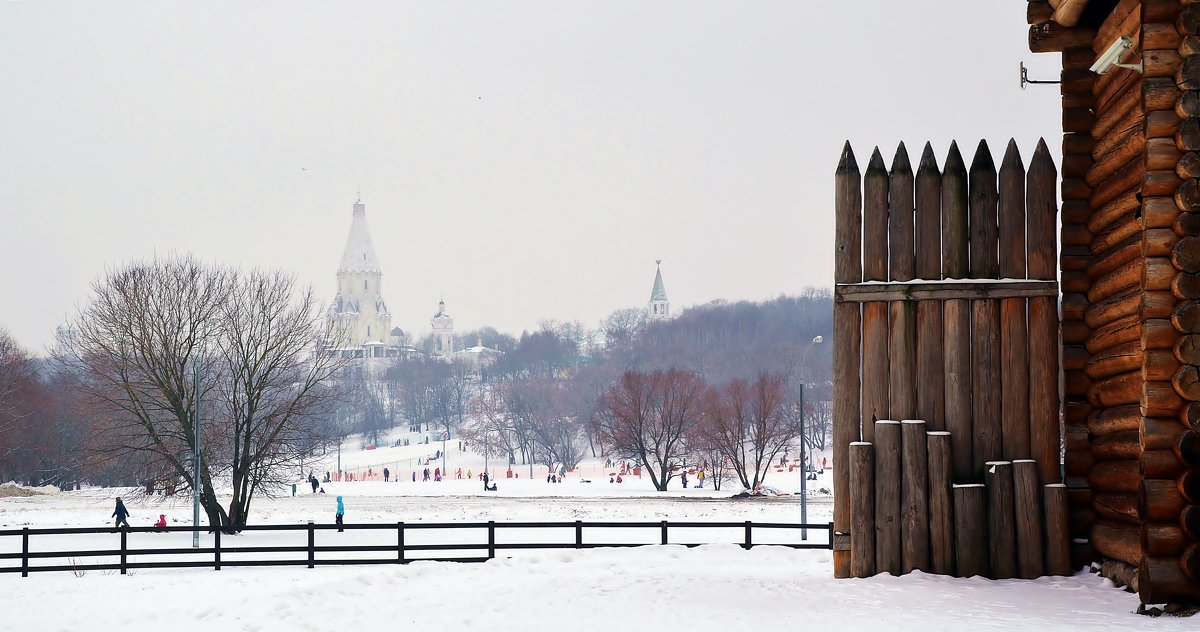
pixel 946 318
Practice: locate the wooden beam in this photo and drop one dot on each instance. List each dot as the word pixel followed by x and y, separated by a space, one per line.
pixel 917 291
pixel 1067 12
pixel 1052 37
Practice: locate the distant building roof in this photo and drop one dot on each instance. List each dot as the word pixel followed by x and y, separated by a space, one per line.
pixel 359 254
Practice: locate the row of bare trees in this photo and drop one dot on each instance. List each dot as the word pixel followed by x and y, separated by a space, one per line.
pixel 665 420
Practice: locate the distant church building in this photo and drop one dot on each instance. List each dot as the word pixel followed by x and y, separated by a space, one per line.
pixel 358 311
pixel 659 307
pixel 443 332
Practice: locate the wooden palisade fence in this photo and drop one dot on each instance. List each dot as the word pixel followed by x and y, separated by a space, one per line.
pixel 946 399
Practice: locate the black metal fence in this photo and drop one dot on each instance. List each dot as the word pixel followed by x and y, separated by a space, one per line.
pixel 398 552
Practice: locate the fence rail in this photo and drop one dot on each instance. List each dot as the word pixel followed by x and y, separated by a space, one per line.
pixel 398 551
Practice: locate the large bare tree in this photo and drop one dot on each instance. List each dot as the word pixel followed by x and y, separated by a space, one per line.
pixel 646 416
pixel 257 343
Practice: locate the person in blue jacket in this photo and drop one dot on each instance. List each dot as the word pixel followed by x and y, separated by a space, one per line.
pixel 121 513
pixel 341 511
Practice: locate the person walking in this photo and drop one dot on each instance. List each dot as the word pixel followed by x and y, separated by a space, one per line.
pixel 122 514
pixel 312 480
pixel 341 512
pixel 385 474
pixel 485 480
pixel 700 477
pixel 684 479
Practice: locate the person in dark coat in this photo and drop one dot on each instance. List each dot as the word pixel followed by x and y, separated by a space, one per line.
pixel 312 480
pixel 485 481
pixel 122 514
pixel 385 474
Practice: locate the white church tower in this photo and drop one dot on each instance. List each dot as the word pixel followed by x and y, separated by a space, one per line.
pixel 359 308
pixel 443 332
pixel 659 307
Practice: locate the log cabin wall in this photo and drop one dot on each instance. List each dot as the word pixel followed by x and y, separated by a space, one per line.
pixel 1130 275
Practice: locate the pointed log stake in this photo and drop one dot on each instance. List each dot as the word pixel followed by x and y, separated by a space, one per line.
pixel 875 317
pixel 914 509
pixel 1012 214
pixel 956 314
pixel 1042 212
pixel 954 207
pixel 930 395
pixel 984 232
pixel 901 236
pixel 888 557
pixel 1014 327
pixel 941 504
pixel 862 509
pixel 847 338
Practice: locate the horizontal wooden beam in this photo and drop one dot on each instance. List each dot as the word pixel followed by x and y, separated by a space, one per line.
pixel 1052 37
pixel 940 290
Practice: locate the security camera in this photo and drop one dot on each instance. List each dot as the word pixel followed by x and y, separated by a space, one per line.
pixel 1112 57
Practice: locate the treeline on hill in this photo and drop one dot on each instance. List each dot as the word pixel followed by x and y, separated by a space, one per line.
pixel 719 386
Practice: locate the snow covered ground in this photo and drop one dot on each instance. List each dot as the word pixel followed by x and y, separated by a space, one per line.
pixel 719 586
pixel 713 587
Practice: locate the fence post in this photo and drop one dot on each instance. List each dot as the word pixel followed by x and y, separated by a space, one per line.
pixel 24 551
pixel 312 553
pixel 579 534
pixel 749 542
pixel 217 548
pixel 664 531
pixel 124 532
pixel 831 536
pixel 400 542
pixel 491 539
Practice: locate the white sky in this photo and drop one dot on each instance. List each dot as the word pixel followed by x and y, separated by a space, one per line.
pixel 526 160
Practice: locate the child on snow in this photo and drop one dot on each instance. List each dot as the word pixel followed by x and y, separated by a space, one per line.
pixel 341 511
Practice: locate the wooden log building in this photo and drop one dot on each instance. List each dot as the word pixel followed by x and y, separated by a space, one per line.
pixel 1025 398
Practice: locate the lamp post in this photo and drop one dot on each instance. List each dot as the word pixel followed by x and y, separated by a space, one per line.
pixel 196 457
pixel 803 443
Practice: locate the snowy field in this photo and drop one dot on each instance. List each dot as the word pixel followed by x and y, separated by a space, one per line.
pixel 718 586
pixel 713 587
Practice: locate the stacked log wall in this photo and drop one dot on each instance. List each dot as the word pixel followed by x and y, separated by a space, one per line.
pixel 1115 290
pixel 1170 37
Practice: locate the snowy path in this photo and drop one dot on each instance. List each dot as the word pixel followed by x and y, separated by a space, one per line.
pixel 719 587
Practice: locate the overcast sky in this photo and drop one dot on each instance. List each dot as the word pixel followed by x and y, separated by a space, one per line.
pixel 525 160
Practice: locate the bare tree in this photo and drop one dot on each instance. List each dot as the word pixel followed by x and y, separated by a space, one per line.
pixel 18 383
pixel 646 417
pixel 258 344
pixel 746 422
pixel 273 360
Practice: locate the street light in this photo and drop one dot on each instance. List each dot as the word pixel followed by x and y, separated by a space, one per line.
pixel 196 456
pixel 803 442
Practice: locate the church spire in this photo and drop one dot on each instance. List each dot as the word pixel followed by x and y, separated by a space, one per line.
pixel 659 307
pixel 658 293
pixel 359 254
